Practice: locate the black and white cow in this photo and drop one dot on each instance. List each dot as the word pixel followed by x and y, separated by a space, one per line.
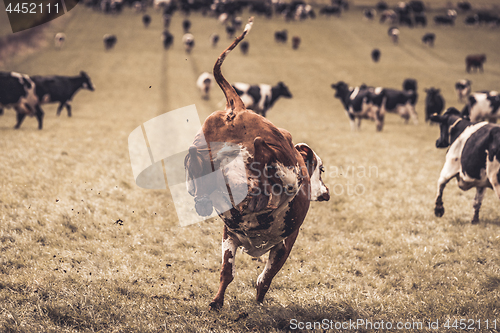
pixel 260 98
pixel 395 101
pixel 186 25
pixel 167 38
pixel 483 106
pixel 463 89
pixel 473 157
pixel 109 41
pixel 448 19
pixel 214 39
pixel 369 13
pixel 375 55
pixel 204 83
pixel 434 102
pixel 60 89
pixel 146 20
pixel 244 46
pixel 393 32
pixel 59 40
pixel 357 103
pixel 420 19
pixel 281 36
pixel 188 41
pixel 18 91
pixel 429 38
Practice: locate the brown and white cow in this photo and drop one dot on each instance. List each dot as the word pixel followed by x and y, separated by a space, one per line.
pixel 475 61
pixel 473 157
pixel 278 179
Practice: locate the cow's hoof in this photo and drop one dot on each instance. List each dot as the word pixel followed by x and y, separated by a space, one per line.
pixel 215 306
pixel 475 221
pixel 439 211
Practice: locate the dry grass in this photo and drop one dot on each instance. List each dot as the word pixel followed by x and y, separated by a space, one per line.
pixel 83 249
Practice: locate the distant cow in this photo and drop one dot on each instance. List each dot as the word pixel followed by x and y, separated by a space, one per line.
pixel 473 157
pixel 331 10
pixel 244 46
pixel 463 89
pixel 230 31
pixel 429 38
pixel 434 102
pixel 18 91
pixel 281 36
pixel 214 39
pixel 420 19
pixel 59 40
pixel 260 98
pixel 464 5
pixel 188 41
pixel 475 61
pixel 146 20
pixel 395 101
pixel 483 106
pixel 448 19
pixel 109 41
pixel 369 14
pixel 61 89
pixel 204 83
pixel 389 16
pixel 375 55
pixel 167 39
pixel 186 25
pixel 295 42
pixel 410 86
pixel 393 32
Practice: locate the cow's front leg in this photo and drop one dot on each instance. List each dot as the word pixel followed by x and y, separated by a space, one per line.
pixel 68 108
pixel 229 245
pixel 478 199
pixel 379 119
pixel 277 257
pixel 20 115
pixel 352 121
pixel 39 116
pixel 439 208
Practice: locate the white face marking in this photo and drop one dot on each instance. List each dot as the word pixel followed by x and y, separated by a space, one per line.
pixel 318 188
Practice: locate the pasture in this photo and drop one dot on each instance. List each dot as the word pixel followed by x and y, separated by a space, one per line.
pixel 83 249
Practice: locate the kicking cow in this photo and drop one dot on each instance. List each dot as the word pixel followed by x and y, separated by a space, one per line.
pixel 463 89
pixel 260 98
pixel 434 103
pixel 482 106
pixel 60 89
pixel 278 180
pixel 473 157
pixel 18 91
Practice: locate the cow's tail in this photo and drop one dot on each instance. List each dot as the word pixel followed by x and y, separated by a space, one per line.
pixel 233 100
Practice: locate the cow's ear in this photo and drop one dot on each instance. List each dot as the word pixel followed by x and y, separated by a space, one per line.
pixel 435 118
pixel 307 155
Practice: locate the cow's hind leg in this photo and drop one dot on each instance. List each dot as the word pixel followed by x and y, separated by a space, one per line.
pixel 68 108
pixel 277 258
pixel 478 199
pixel 229 246
pixel 20 115
pixel 39 116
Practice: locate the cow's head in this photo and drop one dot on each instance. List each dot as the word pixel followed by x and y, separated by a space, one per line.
pixel 341 89
pixel 200 180
pixel 451 126
pixel 283 90
pixel 87 84
pixel 314 164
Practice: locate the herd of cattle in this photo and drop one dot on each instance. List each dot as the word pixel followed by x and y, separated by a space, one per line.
pixel 282 178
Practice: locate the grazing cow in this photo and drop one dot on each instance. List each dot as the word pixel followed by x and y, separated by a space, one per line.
pixel 214 39
pixel 375 55
pixel 381 6
pixel 420 19
pixel 244 47
pixel 482 106
pixel 109 41
pixel 417 6
pixel 204 83
pixel 389 16
pixel 167 39
pixel 331 10
pixel 295 42
pixel 281 36
pixel 463 89
pixel 429 38
pixel 473 157
pixel 475 61
pixel 146 20
pixel 464 6
pixel 230 30
pixel 188 41
pixel 59 40
pixel 260 98
pixel 434 102
pixel 393 32
pixel 186 25
pixel 278 180
pixel 60 89
pixel 369 14
pixel 472 20
pixel 357 103
pixel 18 91
pixel 448 19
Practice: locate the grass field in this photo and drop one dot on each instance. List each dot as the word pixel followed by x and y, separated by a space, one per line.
pixel 374 252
